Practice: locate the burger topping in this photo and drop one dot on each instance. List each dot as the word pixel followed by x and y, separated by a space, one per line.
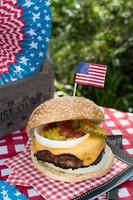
pixel 64 161
pixel 68 133
pixel 80 138
pixel 53 134
pixel 68 143
pixel 62 130
pixel 71 129
pixel 87 151
pixel 61 133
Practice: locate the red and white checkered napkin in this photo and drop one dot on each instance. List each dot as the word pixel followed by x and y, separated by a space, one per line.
pixel 51 189
pixel 14 178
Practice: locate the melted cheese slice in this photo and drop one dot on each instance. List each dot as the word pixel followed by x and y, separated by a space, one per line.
pixel 88 151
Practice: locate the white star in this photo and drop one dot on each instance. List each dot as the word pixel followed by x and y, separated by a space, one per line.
pixel 17 193
pixel 47 3
pixel 40 54
pixel 18 69
pixel 47 18
pixel 43 31
pixel 39 38
pixel 38 25
pixel 4 192
pixel 36 7
pixel 31 32
pixel 28 3
pixel 47 39
pixel 45 11
pixel 33 45
pixel 32 69
pixel 32 54
pixel 13 79
pixel 35 16
pixel 24 60
pixel 6 197
pixel 47 25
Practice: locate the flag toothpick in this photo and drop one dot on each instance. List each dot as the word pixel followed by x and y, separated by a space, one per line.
pixel 90 74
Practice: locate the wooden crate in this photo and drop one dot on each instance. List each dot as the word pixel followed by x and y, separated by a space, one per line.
pixel 18 99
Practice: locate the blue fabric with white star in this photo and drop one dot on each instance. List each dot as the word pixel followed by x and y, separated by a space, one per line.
pixel 37 14
pixel 8 192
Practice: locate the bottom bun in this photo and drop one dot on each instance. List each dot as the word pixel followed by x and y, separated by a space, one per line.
pixel 76 175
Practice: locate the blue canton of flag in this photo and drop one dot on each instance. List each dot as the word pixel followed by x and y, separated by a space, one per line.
pixel 82 68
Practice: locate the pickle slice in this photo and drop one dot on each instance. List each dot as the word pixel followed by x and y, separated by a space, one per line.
pixel 53 134
pixel 97 131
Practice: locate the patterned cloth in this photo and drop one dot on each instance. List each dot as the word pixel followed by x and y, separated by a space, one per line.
pixel 51 189
pixel 116 122
pixel 8 192
pixel 25 28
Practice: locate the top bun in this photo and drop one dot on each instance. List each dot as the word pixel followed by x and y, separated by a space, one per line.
pixel 64 108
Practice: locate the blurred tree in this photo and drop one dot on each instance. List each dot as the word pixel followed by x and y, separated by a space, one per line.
pixel 97 32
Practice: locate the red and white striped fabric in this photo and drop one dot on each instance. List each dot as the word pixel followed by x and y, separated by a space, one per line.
pixel 12 36
pixel 116 122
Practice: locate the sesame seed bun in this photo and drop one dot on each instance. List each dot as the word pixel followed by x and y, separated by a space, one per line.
pixel 92 172
pixel 64 108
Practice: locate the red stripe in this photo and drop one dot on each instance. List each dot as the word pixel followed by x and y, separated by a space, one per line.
pixel 97 74
pixel 97 68
pixel 97 71
pixel 82 75
pixel 93 64
pixel 90 74
pixel 91 84
pixel 90 78
pixel 97 77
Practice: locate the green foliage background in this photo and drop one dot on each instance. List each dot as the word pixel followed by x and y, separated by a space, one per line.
pixel 98 31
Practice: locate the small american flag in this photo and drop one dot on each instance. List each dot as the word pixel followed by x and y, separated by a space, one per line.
pixel 91 74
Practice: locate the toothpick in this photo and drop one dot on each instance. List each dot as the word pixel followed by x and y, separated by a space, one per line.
pixel 74 91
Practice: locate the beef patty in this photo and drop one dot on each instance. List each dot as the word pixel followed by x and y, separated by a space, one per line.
pixel 64 161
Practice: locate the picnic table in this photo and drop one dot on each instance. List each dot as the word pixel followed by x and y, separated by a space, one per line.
pixel 116 123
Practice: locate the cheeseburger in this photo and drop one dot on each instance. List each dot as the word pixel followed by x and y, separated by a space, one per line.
pixel 68 143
